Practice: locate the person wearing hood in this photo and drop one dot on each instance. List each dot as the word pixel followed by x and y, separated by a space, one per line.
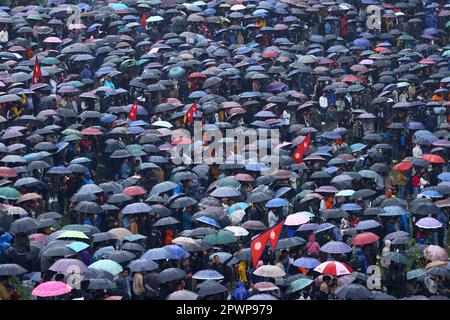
pixel 312 247
pixel 240 293
pixel 5 244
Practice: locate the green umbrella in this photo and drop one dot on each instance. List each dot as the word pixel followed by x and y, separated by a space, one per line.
pixel 305 192
pixel 9 193
pixel 68 132
pixel 72 235
pixel 299 284
pixel 107 265
pixel 127 63
pixel 228 182
pixel 74 83
pixel 396 257
pixel 50 61
pixel 221 237
pixel 70 138
pixel 416 273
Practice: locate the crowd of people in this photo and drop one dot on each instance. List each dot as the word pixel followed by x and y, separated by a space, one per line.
pixel 94 205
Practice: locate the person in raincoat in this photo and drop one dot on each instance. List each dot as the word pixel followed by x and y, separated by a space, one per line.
pixel 240 293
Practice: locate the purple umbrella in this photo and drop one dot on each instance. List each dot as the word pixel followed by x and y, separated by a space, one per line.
pixel 53 40
pixel 307 227
pixel 428 223
pixel 93 27
pixel 327 189
pixel 337 247
pixel 414 125
pixel 69 266
pixel 442 143
pixel 430 31
pixel 276 86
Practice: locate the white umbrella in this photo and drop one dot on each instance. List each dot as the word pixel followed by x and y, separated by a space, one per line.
pixel 237 231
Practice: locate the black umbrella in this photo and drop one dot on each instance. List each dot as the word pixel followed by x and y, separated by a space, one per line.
pixel 88 207
pixel 183 202
pixel 335 213
pixel 23 225
pixel 171 274
pixel 143 265
pixel 11 269
pixel 162 210
pixel 101 284
pixel 103 236
pixel 362 193
pixel 120 256
pixel 5 221
pixel 166 222
pixel 289 243
pixel 353 292
pixel 210 287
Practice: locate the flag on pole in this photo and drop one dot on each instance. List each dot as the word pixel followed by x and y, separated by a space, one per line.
pixel 37 74
pixel 132 114
pixel 257 247
pixel 274 234
pixel 190 113
pixel 303 146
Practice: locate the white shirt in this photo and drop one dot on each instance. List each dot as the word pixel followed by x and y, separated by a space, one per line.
pixel 323 102
pixel 4 36
pixel 417 151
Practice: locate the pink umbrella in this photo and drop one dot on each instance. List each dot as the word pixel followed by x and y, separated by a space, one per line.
pixel 53 40
pixel 114 298
pixel 51 289
pixel 435 253
pixel 38 237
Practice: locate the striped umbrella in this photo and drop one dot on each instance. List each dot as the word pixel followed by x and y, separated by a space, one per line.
pixel 334 268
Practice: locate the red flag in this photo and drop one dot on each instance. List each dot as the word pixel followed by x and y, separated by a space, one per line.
pixel 274 234
pixel 144 21
pixel 257 247
pixel 190 113
pixel 37 74
pixel 132 114
pixel 298 153
pixel 306 142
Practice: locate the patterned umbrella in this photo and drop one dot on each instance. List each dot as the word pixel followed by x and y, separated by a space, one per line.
pixel 335 247
pixel 334 268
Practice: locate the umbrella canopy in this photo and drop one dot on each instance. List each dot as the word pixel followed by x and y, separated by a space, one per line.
pixel 51 289
pixel 334 268
pixel 269 271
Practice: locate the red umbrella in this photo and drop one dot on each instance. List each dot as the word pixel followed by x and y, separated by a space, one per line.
pixel 382 49
pixel 244 177
pixel 134 191
pixel 334 268
pixel 350 78
pixel 365 238
pixel 269 54
pixel 91 132
pixel 433 158
pixel 403 166
pixel 6 172
pixel 427 61
pixel 197 75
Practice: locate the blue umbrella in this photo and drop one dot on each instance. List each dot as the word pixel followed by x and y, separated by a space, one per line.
pixel 35 156
pixel 393 211
pixel 444 176
pixel 209 221
pixel 323 227
pixel 331 135
pixel 260 13
pixel 98 254
pixel 208 274
pixel 80 160
pixel 238 206
pixel 135 237
pixel 367 224
pixel 362 42
pixel 430 31
pixel 197 95
pixel 59 170
pixel 77 246
pixel 357 147
pixel 157 254
pixel 118 6
pixel 255 166
pixel 262 297
pixel 223 257
pixel 351 207
pixel 142 265
pixel 305 262
pixel 277 203
pixel 243 50
pixel 431 194
pixel 177 252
